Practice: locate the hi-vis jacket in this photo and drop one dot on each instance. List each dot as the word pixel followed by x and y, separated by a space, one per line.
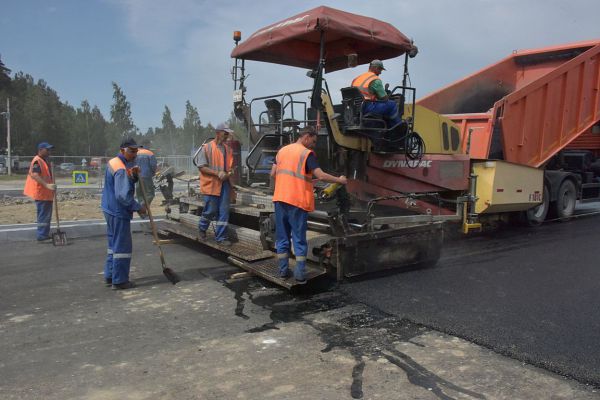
pixel 362 82
pixel 119 188
pixel 35 190
pixel 292 184
pixel 210 184
pixel 147 162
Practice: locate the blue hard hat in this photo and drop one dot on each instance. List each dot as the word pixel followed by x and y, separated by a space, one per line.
pixel 45 145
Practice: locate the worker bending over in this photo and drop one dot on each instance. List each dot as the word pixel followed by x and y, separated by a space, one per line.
pixel 118 205
pixel 293 171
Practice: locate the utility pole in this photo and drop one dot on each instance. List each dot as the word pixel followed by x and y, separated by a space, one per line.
pixel 87 129
pixel 8 135
pixel 7 116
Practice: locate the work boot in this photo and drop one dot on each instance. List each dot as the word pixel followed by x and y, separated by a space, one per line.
pixel 225 243
pixel 202 234
pixel 108 281
pixel 124 286
pixel 285 275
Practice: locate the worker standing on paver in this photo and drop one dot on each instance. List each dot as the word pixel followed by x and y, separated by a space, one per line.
pixel 118 205
pixel 40 186
pixel 146 160
pixel 215 162
pixel 293 170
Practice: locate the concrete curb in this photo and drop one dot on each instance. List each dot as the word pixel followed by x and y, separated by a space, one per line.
pixel 73 229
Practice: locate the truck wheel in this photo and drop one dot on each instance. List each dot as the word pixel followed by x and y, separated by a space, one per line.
pixel 537 215
pixel 566 200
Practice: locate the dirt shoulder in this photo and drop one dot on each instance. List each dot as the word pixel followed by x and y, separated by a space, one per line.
pixel 74 205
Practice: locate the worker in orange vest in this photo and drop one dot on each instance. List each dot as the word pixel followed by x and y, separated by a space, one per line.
pixel 146 160
pixel 293 171
pixel 40 186
pixel 215 162
pixel 377 100
pixel 118 205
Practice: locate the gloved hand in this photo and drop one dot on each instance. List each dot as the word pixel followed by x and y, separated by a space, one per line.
pixel 51 186
pixel 135 171
pixel 143 211
pixel 222 175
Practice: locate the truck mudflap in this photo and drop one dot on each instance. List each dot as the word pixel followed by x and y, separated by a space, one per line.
pixel 394 248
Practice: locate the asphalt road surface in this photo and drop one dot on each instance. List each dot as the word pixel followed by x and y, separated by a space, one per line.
pixel 67 336
pixel 531 294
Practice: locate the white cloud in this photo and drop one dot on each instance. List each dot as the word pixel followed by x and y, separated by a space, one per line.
pixel 189 42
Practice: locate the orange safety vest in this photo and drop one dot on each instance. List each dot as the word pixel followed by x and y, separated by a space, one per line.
pixel 116 164
pixel 363 81
pixel 292 184
pixel 210 184
pixel 145 151
pixel 34 189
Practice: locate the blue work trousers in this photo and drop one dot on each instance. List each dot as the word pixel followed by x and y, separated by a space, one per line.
pixel 389 110
pixel 291 222
pixel 44 217
pixel 118 257
pixel 216 208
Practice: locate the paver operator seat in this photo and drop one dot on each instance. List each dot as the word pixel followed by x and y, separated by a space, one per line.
pixel 374 126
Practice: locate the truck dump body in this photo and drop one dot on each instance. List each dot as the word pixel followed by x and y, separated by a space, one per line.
pixel 528 106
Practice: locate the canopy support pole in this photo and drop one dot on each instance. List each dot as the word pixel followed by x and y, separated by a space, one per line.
pixel 316 101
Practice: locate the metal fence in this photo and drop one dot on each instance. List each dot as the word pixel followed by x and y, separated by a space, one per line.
pixel 64 165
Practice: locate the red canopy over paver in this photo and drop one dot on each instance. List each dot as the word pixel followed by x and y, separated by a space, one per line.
pixel 295 41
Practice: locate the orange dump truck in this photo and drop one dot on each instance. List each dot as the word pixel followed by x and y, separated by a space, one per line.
pixel 536 108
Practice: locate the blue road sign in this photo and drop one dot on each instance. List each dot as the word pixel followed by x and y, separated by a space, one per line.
pixel 80 178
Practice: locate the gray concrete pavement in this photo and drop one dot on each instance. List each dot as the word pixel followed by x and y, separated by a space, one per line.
pixel 66 336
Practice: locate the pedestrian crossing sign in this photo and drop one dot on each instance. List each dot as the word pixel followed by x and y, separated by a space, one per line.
pixel 80 178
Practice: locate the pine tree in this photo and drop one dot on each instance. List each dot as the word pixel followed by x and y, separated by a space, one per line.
pixel 240 130
pixel 120 112
pixel 168 127
pixel 4 76
pixel 121 124
pixel 192 127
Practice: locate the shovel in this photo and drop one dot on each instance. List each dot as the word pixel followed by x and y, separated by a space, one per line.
pixel 59 238
pixel 167 272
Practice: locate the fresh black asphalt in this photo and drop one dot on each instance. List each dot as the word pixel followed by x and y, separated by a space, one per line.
pixel 532 294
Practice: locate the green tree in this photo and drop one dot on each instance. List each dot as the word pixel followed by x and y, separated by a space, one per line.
pixel 97 127
pixel 240 130
pixel 38 114
pixel 4 76
pixel 169 128
pixel 84 115
pixel 192 127
pixel 121 124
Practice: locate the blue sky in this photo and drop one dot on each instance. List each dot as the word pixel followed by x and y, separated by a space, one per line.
pixel 166 52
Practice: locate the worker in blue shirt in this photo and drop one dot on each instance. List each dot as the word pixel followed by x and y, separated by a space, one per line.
pixel 118 205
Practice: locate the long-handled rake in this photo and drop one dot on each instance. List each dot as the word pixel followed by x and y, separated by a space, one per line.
pixel 167 272
pixel 59 238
